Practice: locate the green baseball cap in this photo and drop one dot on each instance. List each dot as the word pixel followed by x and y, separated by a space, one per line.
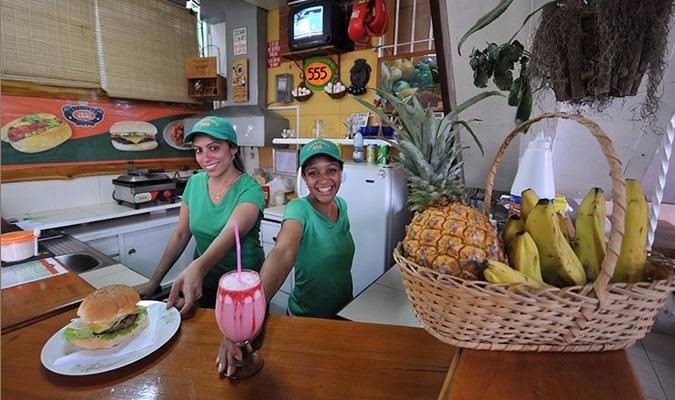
pixel 216 127
pixel 319 146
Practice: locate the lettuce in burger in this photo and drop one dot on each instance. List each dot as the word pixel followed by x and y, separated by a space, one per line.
pixel 108 317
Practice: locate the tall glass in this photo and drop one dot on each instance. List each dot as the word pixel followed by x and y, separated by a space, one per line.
pixel 240 313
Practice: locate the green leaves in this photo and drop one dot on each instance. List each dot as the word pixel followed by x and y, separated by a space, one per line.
pixel 484 21
pixel 498 62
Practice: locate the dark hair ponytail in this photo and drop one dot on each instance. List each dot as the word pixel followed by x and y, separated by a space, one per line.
pixel 236 160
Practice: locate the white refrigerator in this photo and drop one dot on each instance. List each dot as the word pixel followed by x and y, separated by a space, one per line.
pixel 376 197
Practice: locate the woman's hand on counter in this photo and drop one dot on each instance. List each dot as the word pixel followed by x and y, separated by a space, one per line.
pixel 189 284
pixel 228 355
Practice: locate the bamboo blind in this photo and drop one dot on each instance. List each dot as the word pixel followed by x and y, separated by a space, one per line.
pixel 51 42
pixel 142 48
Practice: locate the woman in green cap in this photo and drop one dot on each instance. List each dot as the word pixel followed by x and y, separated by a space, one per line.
pixel 315 238
pixel 211 198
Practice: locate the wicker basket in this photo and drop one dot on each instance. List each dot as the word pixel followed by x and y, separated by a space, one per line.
pixel 516 317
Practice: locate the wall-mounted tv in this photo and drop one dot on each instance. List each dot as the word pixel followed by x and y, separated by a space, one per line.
pixel 315 23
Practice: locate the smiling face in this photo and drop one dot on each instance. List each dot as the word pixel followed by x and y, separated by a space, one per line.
pixel 323 176
pixel 213 155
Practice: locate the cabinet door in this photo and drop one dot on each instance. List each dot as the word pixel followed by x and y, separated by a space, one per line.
pixel 141 251
pixel 108 246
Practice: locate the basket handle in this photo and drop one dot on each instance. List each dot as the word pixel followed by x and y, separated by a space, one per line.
pixel 618 191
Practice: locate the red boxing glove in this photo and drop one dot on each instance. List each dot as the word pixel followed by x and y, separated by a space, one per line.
pixel 357 21
pixel 379 21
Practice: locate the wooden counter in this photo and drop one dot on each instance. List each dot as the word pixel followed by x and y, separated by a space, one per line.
pixel 524 376
pixel 304 359
pixel 31 302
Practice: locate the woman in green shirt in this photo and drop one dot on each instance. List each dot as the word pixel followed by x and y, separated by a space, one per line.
pixel 211 198
pixel 315 238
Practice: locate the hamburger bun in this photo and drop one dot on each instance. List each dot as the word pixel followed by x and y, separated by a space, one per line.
pixel 133 136
pixel 108 303
pixel 34 133
pixel 108 316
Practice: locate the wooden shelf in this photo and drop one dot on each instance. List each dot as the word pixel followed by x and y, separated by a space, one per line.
pixel 344 142
pixel 317 51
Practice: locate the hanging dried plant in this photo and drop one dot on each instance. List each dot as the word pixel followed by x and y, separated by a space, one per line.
pixel 592 51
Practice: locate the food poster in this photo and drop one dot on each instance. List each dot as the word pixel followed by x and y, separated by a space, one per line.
pixel 37 131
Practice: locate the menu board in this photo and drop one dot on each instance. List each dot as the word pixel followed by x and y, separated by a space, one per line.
pixel 30 271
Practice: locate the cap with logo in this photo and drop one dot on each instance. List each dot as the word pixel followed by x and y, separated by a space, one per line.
pixel 319 146
pixel 216 127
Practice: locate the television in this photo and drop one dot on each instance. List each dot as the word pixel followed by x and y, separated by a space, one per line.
pixel 316 23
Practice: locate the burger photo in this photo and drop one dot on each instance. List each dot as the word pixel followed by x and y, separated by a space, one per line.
pixel 108 317
pixel 34 133
pixel 133 136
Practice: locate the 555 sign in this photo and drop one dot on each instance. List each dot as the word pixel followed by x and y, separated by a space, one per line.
pixel 319 71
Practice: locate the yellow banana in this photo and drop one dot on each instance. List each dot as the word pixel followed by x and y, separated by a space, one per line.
pixel 563 226
pixel 559 265
pixel 528 199
pixel 498 272
pixel 630 266
pixel 524 256
pixel 513 225
pixel 589 244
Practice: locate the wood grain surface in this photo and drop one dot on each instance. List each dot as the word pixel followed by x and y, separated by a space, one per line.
pixel 524 376
pixel 31 302
pixel 305 358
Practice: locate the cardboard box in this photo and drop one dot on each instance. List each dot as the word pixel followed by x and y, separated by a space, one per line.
pixel 201 67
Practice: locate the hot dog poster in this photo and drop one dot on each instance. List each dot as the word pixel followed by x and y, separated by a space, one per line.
pixel 38 131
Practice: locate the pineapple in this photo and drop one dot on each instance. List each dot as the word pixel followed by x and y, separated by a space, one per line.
pixel 445 234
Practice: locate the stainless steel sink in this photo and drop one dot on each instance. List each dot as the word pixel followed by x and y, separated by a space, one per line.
pixel 79 262
pixel 75 255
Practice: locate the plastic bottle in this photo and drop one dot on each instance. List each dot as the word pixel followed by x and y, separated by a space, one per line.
pixel 358 147
pixel 535 170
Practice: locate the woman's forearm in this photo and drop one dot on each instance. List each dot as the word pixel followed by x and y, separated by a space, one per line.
pixel 174 248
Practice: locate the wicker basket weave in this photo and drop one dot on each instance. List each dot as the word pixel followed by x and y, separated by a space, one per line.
pixel 516 317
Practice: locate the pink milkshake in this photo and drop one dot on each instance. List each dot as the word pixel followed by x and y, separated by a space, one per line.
pixel 240 305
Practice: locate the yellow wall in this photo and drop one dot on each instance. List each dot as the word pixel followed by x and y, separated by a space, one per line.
pixel 333 112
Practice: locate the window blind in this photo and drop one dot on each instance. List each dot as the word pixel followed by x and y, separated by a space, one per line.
pixel 49 42
pixel 142 46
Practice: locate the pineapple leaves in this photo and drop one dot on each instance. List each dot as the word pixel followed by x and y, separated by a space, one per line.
pixel 428 147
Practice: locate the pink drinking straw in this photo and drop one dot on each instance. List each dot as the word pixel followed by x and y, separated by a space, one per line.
pixel 236 241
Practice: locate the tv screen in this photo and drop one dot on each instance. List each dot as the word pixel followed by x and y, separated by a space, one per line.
pixel 308 22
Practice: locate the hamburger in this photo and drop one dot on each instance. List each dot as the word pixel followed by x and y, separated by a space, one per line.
pixel 133 136
pixel 34 133
pixel 108 317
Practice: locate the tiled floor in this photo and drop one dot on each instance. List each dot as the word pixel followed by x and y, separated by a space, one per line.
pixel 653 360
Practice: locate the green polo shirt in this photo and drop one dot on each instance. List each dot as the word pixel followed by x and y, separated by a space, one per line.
pixel 207 220
pixel 323 279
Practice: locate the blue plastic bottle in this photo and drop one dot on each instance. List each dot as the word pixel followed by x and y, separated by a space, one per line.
pixel 358 147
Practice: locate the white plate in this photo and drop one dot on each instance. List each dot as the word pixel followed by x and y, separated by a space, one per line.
pixel 57 347
pixel 166 134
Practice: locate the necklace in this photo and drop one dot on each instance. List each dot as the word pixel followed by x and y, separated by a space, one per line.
pixel 219 195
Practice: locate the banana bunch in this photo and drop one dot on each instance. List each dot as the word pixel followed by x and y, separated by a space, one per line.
pixel 524 256
pixel 513 225
pixel 589 243
pixel 630 266
pixel 528 200
pixel 559 264
pixel 498 272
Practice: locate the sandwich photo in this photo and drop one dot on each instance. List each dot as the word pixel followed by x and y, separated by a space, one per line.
pixel 133 135
pixel 34 133
pixel 108 317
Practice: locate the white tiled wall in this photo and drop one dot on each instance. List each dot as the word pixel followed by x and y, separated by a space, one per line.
pixel 23 197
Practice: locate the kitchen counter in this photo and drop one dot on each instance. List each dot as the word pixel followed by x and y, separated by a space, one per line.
pixel 311 358
pixel 305 358
pixel 383 302
pixel 34 301
pixel 82 215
